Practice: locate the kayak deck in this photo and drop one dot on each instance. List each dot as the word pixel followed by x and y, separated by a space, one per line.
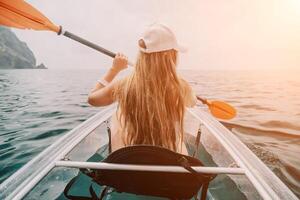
pixel 46 175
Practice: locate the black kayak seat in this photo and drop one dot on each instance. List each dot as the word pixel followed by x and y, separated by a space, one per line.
pixel 172 185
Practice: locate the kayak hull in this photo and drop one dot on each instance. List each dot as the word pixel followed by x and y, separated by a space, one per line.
pixel 247 177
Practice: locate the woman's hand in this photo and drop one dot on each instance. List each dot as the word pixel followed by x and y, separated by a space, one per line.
pixel 102 93
pixel 120 62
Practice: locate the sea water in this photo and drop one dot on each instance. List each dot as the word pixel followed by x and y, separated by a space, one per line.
pixel 39 106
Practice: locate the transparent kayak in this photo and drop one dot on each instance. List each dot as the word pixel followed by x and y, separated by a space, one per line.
pixel 240 174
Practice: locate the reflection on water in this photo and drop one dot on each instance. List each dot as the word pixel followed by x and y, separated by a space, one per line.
pixel 38 106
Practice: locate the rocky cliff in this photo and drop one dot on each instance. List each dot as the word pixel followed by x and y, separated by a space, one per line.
pixel 14 54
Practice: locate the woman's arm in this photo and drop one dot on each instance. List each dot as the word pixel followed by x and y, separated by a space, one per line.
pixel 102 94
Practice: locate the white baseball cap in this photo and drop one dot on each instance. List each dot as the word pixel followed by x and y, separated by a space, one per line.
pixel 159 37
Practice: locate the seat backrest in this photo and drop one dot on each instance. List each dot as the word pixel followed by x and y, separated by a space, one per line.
pixel 163 184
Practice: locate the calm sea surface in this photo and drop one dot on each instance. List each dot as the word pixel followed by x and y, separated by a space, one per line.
pixel 38 106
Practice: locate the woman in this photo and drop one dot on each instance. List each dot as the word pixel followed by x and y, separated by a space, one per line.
pixel 151 100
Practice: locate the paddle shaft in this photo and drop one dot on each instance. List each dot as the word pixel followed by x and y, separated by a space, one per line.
pixel 90 44
pixel 204 101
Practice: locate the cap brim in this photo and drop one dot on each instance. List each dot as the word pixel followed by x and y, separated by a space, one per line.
pixel 179 48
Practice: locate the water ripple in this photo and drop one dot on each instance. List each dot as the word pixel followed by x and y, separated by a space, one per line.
pixel 48 134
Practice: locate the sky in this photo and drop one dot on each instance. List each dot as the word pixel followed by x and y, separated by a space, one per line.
pixel 220 35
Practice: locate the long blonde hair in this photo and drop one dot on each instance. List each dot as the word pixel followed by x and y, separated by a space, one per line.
pixel 151 102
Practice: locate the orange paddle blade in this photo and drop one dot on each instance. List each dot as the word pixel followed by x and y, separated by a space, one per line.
pixel 19 14
pixel 221 110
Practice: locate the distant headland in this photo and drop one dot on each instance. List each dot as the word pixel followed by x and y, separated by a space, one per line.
pixel 15 54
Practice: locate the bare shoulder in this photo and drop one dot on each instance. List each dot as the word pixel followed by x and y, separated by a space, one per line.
pixel 185 85
pixel 183 81
pixel 188 93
